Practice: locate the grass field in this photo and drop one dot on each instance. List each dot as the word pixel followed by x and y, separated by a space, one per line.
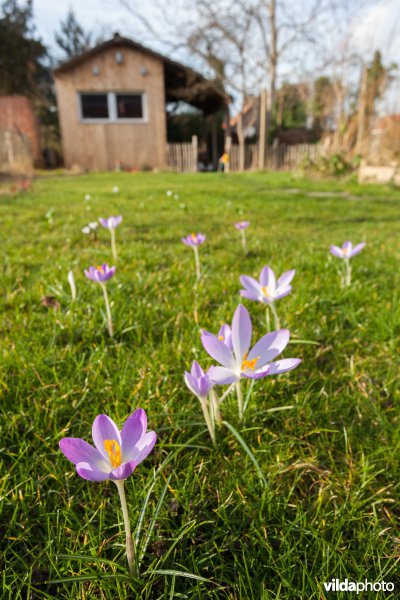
pixel 325 436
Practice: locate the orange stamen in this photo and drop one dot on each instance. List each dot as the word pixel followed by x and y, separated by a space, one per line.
pixel 266 290
pixel 113 450
pixel 249 364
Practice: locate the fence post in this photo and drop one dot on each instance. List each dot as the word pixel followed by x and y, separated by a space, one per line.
pixel 194 153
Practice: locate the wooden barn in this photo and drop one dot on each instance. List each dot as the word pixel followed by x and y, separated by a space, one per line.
pixel 112 104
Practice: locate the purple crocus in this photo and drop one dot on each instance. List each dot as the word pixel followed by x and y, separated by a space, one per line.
pixel 242 361
pixel 267 289
pixel 201 385
pixel 195 240
pixel 242 224
pixel 347 250
pixel 111 224
pixel 100 275
pixel 115 456
pixel 198 381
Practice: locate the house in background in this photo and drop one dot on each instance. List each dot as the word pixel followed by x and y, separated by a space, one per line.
pixel 112 104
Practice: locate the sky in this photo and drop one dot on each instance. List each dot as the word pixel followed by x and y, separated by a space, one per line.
pixel 376 26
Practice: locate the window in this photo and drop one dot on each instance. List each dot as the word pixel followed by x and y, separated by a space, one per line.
pixel 94 106
pixel 129 106
pixel 112 107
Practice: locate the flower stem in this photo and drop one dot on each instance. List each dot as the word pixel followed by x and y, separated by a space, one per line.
pixel 130 548
pixel 197 259
pixel 108 311
pixel 240 399
pixel 276 318
pixel 348 272
pixel 244 244
pixel 203 402
pixel 113 244
pixel 215 405
pixel 228 391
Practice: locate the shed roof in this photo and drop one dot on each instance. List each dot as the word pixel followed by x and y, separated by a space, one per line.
pixel 181 82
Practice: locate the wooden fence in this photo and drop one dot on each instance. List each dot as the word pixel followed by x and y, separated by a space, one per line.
pixel 15 153
pixel 250 157
pixel 183 157
pixel 289 158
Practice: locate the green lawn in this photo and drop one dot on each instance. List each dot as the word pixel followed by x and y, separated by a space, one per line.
pixel 325 436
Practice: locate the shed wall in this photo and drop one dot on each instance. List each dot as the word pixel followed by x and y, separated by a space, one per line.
pixel 100 146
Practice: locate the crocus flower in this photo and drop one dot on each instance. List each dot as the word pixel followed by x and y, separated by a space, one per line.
pixel 101 275
pixel 117 453
pixel 71 281
pixel 267 290
pixel 111 224
pixel 242 361
pixel 242 226
pixel 346 252
pixel 200 384
pixel 115 456
pixel 194 240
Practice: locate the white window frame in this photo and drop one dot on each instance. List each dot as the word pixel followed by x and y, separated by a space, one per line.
pixel 112 107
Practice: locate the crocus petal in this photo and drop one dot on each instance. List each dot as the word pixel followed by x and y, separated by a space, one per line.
pixel 267 278
pixel 285 279
pixel 86 471
pixel 143 447
pixel 336 251
pixel 123 471
pixel 357 249
pixel 281 366
pixel 77 451
pixel 241 333
pixel 103 429
pixel 282 292
pixel 191 382
pixel 204 384
pixel 251 284
pixel 253 296
pixel 347 247
pixel 103 222
pixel 226 333
pixel 134 427
pixel 196 370
pixel 222 376
pixel 218 350
pixel 269 346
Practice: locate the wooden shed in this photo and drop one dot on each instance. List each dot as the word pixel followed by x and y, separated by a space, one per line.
pixel 112 104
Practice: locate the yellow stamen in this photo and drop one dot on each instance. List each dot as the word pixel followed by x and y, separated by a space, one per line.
pixel 113 450
pixel 221 337
pixel 194 237
pixel 266 290
pixel 100 268
pixel 249 364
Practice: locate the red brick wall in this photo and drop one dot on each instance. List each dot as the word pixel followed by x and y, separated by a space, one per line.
pixel 17 114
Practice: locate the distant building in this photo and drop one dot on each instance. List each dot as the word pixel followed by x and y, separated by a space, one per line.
pixel 112 104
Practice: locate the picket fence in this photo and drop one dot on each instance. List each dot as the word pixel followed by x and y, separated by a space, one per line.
pixel 183 157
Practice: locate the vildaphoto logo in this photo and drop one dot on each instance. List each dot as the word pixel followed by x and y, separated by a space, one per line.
pixel 336 585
